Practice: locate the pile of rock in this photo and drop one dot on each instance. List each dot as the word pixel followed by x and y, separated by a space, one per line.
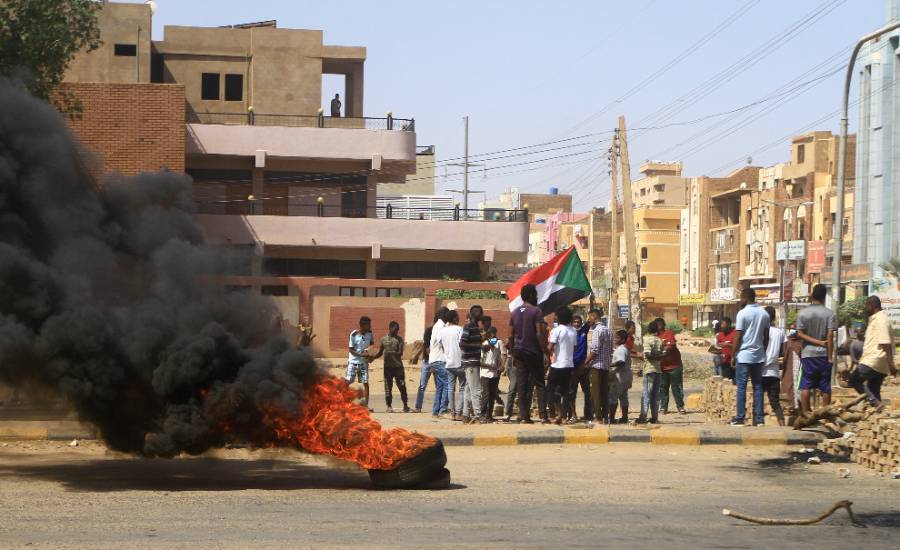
pixel 719 400
pixel 873 442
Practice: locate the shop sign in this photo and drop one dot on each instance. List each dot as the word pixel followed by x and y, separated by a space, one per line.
pixel 888 290
pixel 695 299
pixel 728 294
pixel 851 272
pixel 790 250
pixel 815 256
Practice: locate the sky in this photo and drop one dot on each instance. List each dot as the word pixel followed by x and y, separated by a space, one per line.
pixel 711 83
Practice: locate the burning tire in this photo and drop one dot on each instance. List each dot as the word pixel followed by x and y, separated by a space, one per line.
pixel 425 470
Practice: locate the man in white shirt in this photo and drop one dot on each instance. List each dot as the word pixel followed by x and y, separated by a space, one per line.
pixel 449 336
pixel 437 363
pixel 771 374
pixel 562 347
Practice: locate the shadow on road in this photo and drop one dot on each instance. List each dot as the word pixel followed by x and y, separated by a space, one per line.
pixel 195 474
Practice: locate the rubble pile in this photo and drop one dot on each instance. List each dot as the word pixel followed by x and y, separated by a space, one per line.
pixel 719 400
pixel 873 442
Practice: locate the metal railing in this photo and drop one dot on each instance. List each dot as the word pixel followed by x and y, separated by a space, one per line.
pixel 303 121
pixel 390 212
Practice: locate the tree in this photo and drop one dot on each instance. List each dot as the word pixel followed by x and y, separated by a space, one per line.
pixel 39 38
pixel 852 311
pixel 892 268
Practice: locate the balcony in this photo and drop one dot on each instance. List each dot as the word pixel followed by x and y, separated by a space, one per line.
pixel 354 210
pixel 303 121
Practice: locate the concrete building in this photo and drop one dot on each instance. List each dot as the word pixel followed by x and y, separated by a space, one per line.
pixel 419 183
pixel 661 185
pixel 540 206
pixel 877 207
pixel 289 191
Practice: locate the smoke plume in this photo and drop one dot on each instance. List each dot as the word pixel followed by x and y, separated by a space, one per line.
pixel 103 297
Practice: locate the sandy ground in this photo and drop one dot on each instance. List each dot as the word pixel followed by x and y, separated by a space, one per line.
pixel 614 495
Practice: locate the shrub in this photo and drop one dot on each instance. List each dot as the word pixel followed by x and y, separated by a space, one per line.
pixel 703 332
pixel 454 294
pixel 675 327
pixel 852 311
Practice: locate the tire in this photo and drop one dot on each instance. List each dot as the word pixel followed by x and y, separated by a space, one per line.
pixel 423 467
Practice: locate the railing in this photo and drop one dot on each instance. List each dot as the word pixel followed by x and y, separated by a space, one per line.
pixel 271 208
pixel 303 121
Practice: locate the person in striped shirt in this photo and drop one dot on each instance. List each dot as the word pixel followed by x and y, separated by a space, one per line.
pixel 598 360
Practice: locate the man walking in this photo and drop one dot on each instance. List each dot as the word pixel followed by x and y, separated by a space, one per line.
pixel 391 347
pixel 877 360
pixel 750 342
pixel 598 360
pixel 815 327
pixel 471 344
pixel 528 342
pixel 426 372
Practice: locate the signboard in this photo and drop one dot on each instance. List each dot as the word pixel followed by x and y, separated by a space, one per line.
pixel 787 283
pixel 790 250
pixel 768 295
pixel 888 290
pixel 815 256
pixel 851 272
pixel 624 312
pixel 728 294
pixel 692 299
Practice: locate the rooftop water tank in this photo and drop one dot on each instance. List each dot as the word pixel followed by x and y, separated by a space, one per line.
pixel 554 190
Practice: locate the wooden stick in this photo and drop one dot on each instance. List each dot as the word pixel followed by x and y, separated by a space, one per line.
pixel 828 412
pixel 845 504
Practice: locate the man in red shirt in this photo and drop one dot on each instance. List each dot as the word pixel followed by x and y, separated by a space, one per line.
pixel 672 370
pixel 725 340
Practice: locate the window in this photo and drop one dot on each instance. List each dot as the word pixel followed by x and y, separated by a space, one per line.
pixel 274 290
pixel 801 153
pixel 643 252
pixel 643 282
pixel 157 67
pixel 355 291
pixel 209 86
pixel 720 240
pixel 387 292
pixel 125 50
pixel 234 87
pixel 723 276
pixel 801 229
pixel 845 227
pixel 353 204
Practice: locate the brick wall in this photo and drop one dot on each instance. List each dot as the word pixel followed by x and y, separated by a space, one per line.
pixel 132 128
pixel 346 319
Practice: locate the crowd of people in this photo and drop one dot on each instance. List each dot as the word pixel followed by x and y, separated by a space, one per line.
pixel 546 367
pixel 799 361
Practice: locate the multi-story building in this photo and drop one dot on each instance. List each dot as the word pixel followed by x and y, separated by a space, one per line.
pixel 661 185
pixel 282 184
pixel 540 206
pixel 599 262
pixel 421 183
pixel 707 285
pixel 877 205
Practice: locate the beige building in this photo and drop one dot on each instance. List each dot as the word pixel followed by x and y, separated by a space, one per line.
pixel 661 185
pixel 420 183
pixel 291 190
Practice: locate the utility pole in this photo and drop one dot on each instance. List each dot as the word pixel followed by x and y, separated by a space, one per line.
pixel 465 164
pixel 613 312
pixel 634 295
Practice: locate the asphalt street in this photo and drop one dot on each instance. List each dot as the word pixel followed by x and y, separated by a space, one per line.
pixel 615 495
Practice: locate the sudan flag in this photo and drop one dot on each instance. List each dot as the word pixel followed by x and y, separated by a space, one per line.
pixel 559 282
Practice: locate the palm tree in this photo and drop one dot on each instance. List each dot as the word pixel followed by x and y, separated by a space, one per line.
pixel 892 268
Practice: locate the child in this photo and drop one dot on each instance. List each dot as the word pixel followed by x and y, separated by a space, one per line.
pixel 562 346
pixel 653 352
pixel 493 357
pixel 391 346
pixel 620 378
pixel 771 372
pixel 358 361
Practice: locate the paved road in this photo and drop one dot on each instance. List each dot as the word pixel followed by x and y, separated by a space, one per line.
pixel 614 495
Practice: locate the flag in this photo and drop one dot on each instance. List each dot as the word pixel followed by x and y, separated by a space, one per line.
pixel 559 282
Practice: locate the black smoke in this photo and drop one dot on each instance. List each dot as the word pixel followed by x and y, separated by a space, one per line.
pixel 105 296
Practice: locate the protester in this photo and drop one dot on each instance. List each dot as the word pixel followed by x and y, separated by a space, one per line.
pixel 426 372
pixel 790 380
pixel 528 342
pixel 771 374
pixel 815 327
pixel 856 348
pixel 487 324
pixel 653 352
pixel 450 336
pixel 750 342
pixel 725 341
pixel 358 360
pixel 580 376
pixel 493 359
pixel 513 390
pixel 391 347
pixel 598 361
pixel 620 378
pixel 471 344
pixel 562 346
pixel 629 343
pixel 672 370
pixel 877 359
pixel 438 365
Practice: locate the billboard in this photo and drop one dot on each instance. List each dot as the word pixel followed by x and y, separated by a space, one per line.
pixel 888 289
pixel 815 256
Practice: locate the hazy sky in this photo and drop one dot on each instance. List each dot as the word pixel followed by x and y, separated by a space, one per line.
pixel 531 72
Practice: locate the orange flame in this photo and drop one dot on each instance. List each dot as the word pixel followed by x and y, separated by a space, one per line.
pixel 330 423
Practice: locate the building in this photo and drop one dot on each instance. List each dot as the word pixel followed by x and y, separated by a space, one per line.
pixel 877 206
pixel 658 233
pixel 661 185
pixel 540 206
pixel 285 189
pixel 709 233
pixel 420 183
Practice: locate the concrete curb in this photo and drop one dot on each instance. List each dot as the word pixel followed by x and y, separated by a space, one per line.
pixel 553 436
